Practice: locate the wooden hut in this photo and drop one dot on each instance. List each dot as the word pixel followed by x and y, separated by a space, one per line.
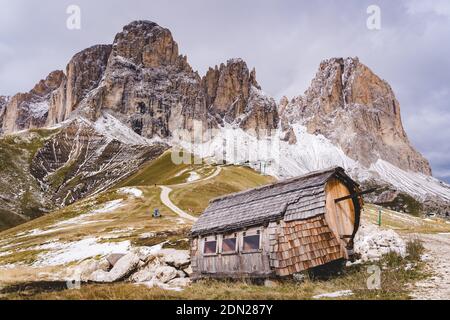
pixel 278 230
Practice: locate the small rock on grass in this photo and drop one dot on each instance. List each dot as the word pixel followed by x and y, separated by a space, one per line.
pixel 180 282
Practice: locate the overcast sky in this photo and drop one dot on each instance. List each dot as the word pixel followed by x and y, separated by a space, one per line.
pixel 284 40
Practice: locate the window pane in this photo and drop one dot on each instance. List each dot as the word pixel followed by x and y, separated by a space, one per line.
pixel 229 245
pixel 210 247
pixel 251 243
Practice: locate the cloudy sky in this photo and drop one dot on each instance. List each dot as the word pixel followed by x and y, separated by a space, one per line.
pixel 284 40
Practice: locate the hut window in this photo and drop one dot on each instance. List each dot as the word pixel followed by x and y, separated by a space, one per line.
pixel 229 244
pixel 251 242
pixel 210 246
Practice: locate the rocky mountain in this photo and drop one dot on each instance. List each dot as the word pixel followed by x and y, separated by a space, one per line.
pixel 45 169
pixel 3 102
pixel 143 81
pixel 355 109
pixel 30 110
pixel 114 103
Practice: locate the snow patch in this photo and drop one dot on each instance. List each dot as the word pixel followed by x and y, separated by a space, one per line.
pixel 39 109
pixel 63 253
pixel 278 158
pixel 135 192
pixel 193 176
pixel 413 183
pixel 114 129
pixel 337 294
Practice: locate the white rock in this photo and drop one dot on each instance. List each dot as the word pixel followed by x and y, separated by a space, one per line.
pixel 176 258
pixel 180 282
pixel 165 273
pixel 113 258
pixel 337 294
pixel 101 277
pixel 143 275
pixel 123 268
pixel 270 284
pixel 85 269
pixel 104 265
pixel 188 271
pixel 147 273
pixel 372 243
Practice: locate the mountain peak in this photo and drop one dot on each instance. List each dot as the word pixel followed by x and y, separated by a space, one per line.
pixel 147 44
pixel 353 107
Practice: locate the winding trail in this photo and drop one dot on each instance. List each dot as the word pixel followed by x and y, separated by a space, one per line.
pixel 436 287
pixel 166 191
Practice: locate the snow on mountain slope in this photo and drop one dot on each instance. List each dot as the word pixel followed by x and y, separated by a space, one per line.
pixel 276 157
pixel 112 128
pixel 413 183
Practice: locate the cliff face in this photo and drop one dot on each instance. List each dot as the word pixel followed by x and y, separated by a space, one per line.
pixel 84 73
pixel 3 102
pixel 41 170
pixel 143 80
pixel 30 110
pixel 358 111
pixel 148 85
pixel 234 95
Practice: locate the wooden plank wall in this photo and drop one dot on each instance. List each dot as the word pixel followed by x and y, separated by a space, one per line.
pixel 340 216
pixel 233 265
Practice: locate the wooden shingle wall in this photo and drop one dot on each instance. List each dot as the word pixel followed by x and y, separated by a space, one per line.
pixel 300 245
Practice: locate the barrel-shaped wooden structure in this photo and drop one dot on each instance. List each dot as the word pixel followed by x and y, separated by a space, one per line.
pixel 278 230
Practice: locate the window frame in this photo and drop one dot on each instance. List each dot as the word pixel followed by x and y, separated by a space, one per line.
pixel 210 239
pixel 252 233
pixel 234 236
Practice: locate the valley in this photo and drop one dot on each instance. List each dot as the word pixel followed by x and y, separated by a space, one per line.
pixel 115 221
pixel 85 162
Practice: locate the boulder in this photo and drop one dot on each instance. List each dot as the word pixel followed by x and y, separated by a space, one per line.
pixel 85 269
pixel 166 273
pixel 143 275
pixel 146 253
pixel 147 273
pixel 104 265
pixel 176 258
pixel 121 270
pixel 188 271
pixel 113 258
pixel 371 242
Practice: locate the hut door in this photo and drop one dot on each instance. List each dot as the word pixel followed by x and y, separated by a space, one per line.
pixel 340 216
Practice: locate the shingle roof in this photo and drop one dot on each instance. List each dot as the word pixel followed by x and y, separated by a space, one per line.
pixel 294 199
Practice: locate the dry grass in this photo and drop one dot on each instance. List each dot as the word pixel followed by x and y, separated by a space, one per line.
pixel 395 280
pixel 128 222
pixel 163 171
pixel 195 198
pixel 405 223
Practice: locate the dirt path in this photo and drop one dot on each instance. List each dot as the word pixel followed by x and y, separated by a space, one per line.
pixel 165 196
pixel 165 199
pixel 438 255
